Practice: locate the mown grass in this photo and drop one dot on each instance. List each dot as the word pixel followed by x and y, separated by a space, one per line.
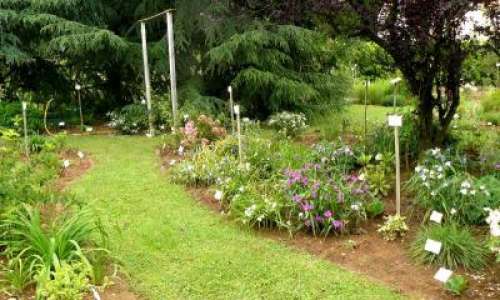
pixel 173 247
pixel 333 124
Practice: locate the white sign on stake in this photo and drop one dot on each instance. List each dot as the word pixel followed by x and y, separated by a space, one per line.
pixel 443 275
pixel 436 217
pixel 433 246
pixel 395 121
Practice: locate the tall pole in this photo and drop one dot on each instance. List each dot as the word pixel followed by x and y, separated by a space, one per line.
pixel 171 55
pixel 398 171
pixel 25 123
pixel 238 124
pixel 231 107
pixel 78 88
pixel 367 83
pixel 146 76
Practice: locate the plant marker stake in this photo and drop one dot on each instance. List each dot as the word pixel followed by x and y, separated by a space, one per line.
pixel 396 122
pixel 171 56
pixel 25 123
pixel 238 123
pixel 367 84
pixel 231 107
pixel 147 80
pixel 78 88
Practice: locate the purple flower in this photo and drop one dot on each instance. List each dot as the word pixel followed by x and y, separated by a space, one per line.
pixel 297 198
pixel 305 181
pixel 318 219
pixel 328 214
pixel 337 224
pixel 307 207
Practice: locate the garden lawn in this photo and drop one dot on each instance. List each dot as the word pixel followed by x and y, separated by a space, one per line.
pixel 173 247
pixel 330 124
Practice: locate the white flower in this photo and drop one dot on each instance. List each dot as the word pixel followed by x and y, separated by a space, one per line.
pixel 465 184
pixel 80 154
pixel 356 206
pixel 241 189
pixel 379 156
pixel 362 176
pixel 433 193
pixel 249 211
pixel 143 102
pixel 473 192
pixel 463 191
pixel 172 162
pixel 162 127
pixel 260 218
pixel 435 151
pixel 418 169
pixel 218 195
pixel 66 163
pixel 456 116
pixel 482 187
pixel 447 164
pixel 186 117
pixel 440 176
pixel 453 211
pixel 181 150
pixel 439 169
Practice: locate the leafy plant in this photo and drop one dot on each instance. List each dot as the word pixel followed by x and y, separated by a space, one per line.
pixel 288 124
pixel 131 119
pixel 375 208
pixel 393 228
pixel 65 281
pixel 18 275
pixel 459 248
pixel 457 284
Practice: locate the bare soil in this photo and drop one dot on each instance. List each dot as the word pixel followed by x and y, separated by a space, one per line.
pixel 368 254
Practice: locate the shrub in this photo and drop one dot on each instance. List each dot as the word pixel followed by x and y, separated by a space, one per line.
pixel 288 124
pixel 375 208
pixel 130 119
pixel 459 248
pixel 393 228
pixel 491 107
pixel 439 183
pixel 11 117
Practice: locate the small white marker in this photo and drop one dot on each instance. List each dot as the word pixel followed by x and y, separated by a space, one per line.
pixel 436 217
pixel 395 121
pixel 66 163
pixel 433 246
pixel 80 154
pixel 443 275
pixel 218 195
pixel 237 109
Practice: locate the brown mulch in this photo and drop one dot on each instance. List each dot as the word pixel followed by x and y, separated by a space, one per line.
pixel 368 254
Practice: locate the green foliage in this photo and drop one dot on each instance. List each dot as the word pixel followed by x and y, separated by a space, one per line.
pixel 130 119
pixel 66 281
pixel 375 208
pixel 381 92
pixel 18 275
pixel 491 107
pixel 480 68
pixel 11 117
pixel 456 285
pixel 280 67
pixel 393 228
pixel 459 248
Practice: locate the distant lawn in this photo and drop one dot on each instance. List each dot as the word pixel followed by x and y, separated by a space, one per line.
pixel 332 124
pixel 174 247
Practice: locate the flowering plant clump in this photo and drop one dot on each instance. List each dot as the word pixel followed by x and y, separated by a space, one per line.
pixel 335 157
pixel 131 119
pixel 324 203
pixel 394 227
pixel 493 220
pixel 440 184
pixel 202 132
pixel 289 124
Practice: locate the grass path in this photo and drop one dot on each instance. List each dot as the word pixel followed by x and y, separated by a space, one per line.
pixel 175 248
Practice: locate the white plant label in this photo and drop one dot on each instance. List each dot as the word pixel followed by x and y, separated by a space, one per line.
pixel 395 121
pixel 229 89
pixel 66 163
pixel 237 109
pixel 218 195
pixel 436 217
pixel 433 246
pixel 443 275
pixel 80 154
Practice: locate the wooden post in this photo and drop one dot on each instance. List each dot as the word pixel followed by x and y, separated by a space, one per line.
pixel 398 171
pixel 25 123
pixel 146 76
pixel 171 55
pixel 231 107
pixel 238 124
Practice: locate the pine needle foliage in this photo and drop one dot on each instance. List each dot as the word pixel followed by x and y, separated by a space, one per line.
pixel 280 67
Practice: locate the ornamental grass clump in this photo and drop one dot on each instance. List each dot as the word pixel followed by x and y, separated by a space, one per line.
pixel 459 248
